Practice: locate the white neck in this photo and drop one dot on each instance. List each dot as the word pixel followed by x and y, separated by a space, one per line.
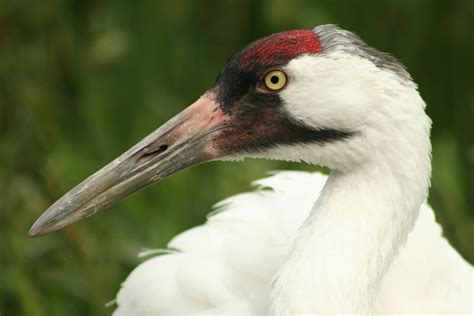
pixel 356 227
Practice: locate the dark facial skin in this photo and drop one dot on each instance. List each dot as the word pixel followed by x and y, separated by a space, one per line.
pixel 257 113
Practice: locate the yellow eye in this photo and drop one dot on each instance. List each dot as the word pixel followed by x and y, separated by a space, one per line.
pixel 275 80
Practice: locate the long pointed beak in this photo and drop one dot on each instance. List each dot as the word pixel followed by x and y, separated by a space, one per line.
pixel 179 144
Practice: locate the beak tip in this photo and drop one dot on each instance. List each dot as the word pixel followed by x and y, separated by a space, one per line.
pixel 34 231
pixel 41 226
pixel 37 229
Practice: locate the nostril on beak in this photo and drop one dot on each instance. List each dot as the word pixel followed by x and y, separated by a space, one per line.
pixel 149 154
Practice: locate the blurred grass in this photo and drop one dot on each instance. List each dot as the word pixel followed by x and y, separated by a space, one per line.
pixel 81 81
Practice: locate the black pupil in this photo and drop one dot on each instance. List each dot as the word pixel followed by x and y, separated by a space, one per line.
pixel 274 79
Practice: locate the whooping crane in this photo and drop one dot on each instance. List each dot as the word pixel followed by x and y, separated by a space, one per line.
pixel 361 241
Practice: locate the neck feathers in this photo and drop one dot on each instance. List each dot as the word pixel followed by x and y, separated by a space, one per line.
pixel 363 215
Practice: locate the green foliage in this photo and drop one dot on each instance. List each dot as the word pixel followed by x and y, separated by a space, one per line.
pixel 81 81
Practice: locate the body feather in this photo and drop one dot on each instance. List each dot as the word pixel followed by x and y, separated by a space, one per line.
pixel 226 266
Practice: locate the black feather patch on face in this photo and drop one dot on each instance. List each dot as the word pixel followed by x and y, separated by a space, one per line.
pixel 235 82
pixel 257 120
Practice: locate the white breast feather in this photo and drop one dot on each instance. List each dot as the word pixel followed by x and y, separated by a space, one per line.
pixel 226 266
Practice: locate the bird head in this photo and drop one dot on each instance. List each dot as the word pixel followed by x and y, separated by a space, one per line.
pixel 321 96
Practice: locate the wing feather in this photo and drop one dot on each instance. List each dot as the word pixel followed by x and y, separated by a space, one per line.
pixel 227 264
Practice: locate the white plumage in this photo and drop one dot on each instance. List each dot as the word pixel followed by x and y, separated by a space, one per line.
pixel 323 246
pixel 361 241
pixel 226 266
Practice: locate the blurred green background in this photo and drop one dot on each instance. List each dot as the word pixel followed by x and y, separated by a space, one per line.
pixel 81 81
